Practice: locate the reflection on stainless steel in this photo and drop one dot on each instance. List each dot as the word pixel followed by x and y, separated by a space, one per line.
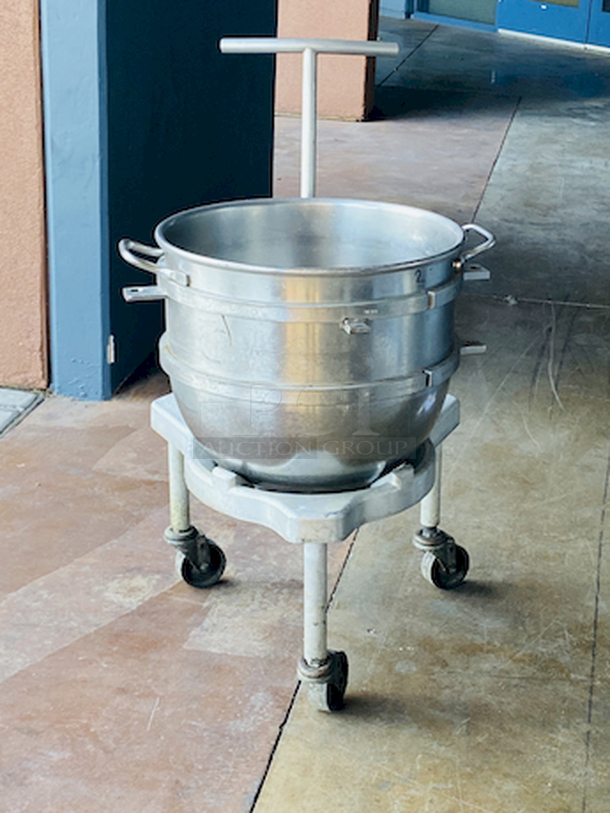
pixel 321 328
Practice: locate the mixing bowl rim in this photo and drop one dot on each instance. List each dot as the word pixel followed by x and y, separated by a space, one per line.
pixel 234 265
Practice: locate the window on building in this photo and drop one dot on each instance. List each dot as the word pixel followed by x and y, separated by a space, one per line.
pixel 571 3
pixel 478 11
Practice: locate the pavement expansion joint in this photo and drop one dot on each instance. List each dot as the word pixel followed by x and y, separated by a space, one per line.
pixel 15 405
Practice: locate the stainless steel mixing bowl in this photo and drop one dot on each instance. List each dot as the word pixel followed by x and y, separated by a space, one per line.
pixel 309 342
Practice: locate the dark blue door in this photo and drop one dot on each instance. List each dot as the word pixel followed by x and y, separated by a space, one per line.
pixel 186 126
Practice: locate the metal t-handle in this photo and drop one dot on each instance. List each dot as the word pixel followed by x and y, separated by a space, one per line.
pixel 310 48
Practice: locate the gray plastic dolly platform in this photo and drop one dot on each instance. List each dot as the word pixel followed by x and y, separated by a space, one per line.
pixel 313 520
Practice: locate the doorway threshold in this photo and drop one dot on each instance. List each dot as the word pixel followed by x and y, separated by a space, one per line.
pixel 581 46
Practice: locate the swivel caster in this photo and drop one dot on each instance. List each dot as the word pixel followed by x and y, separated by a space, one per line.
pixel 445 574
pixel 208 571
pixel 326 691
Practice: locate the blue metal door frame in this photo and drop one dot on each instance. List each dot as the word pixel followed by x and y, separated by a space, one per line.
pixel 79 317
pixel 599 26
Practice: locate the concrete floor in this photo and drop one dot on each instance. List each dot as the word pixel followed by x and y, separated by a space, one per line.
pixel 125 690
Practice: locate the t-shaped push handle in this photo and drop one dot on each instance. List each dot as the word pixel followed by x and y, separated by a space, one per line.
pixel 310 48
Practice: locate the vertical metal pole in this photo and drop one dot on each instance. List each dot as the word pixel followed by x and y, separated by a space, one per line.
pixel 308 124
pixel 430 506
pixel 315 645
pixel 178 493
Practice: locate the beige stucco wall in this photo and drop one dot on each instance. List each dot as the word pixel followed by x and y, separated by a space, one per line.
pixel 345 83
pixel 23 344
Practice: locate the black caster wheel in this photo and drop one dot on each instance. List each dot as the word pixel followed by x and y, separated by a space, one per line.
pixel 330 694
pixel 208 573
pixel 437 573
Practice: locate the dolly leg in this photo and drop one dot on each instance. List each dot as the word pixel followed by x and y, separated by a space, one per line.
pixel 199 561
pixel 322 670
pixel 179 500
pixel 444 563
pixel 430 506
pixel 315 649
